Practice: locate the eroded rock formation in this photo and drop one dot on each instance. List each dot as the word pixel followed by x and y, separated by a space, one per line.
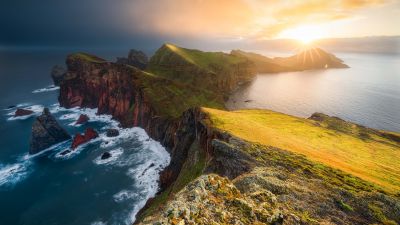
pixel 46 132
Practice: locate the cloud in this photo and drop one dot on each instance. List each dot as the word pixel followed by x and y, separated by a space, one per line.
pixel 238 18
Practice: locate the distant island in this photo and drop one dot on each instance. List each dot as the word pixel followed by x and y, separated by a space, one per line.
pixel 239 167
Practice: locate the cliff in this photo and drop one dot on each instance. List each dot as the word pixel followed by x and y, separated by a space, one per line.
pixel 218 72
pixel 273 172
pixel 46 132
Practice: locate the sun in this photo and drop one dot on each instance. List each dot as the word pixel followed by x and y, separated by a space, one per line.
pixel 306 34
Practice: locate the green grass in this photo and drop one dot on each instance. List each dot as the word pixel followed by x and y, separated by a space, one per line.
pixel 171 98
pixel 87 57
pixel 205 60
pixel 374 159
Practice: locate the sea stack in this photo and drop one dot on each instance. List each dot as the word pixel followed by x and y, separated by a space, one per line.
pixel 46 132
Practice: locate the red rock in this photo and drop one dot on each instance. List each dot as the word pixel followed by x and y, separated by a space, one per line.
pixel 22 112
pixel 83 118
pixel 79 139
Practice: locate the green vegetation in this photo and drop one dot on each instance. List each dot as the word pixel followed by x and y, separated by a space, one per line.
pixel 171 98
pixel 374 159
pixel 378 214
pixel 87 57
pixel 192 169
pixel 208 61
pixel 217 72
pixel 344 206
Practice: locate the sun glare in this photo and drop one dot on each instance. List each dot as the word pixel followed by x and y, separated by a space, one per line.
pixel 305 34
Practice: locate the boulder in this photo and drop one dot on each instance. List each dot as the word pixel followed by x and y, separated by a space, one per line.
pixel 22 112
pixel 57 74
pixel 79 139
pixel 105 155
pixel 112 132
pixel 83 118
pixel 46 132
pixel 135 58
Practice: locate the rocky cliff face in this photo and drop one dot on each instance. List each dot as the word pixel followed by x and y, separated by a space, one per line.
pixel 46 132
pixel 284 184
pixel 135 58
pixel 113 89
pixel 123 91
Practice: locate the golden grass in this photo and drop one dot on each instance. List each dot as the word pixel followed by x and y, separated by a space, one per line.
pixel 374 159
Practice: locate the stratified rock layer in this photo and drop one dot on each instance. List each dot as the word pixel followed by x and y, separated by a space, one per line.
pixel 46 132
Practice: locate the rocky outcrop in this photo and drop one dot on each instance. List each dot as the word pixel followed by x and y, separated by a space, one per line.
pixel 105 155
pixel 264 182
pixel 112 132
pixel 80 139
pixel 57 74
pixel 46 132
pixel 135 58
pixel 22 112
pixel 83 118
pixel 307 59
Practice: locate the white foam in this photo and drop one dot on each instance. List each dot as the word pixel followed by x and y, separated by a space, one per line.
pixel 13 173
pixel 73 152
pixel 98 223
pixel 115 154
pixel 37 109
pixel 46 89
pixel 124 195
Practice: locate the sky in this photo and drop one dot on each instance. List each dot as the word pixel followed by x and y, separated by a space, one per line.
pixel 150 22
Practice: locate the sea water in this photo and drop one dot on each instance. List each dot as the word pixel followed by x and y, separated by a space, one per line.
pixel 367 93
pixel 77 188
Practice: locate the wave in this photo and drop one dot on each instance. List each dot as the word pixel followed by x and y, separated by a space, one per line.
pixel 46 89
pixel 11 174
pixel 115 154
pixel 37 109
pixel 141 157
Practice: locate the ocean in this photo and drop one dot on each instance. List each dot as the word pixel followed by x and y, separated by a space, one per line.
pixel 367 93
pixel 80 188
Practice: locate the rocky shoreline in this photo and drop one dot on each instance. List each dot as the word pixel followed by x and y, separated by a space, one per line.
pixel 195 146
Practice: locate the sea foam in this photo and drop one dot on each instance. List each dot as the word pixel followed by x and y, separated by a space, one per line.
pixel 46 89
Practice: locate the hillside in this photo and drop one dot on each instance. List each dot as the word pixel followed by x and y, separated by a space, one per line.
pixel 306 59
pixel 214 71
pixel 263 167
pixel 239 167
pixel 362 152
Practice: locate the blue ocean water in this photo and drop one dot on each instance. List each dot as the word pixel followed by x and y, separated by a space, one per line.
pixel 74 189
pixel 367 93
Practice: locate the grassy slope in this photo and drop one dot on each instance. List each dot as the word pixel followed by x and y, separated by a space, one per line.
pixel 171 98
pixel 374 159
pixel 173 92
pixel 204 60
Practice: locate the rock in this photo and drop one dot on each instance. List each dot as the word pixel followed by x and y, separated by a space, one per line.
pixel 11 106
pixel 79 139
pixel 135 58
pixel 112 132
pixel 57 74
pixel 22 112
pixel 65 152
pixel 83 118
pixel 46 132
pixel 105 155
